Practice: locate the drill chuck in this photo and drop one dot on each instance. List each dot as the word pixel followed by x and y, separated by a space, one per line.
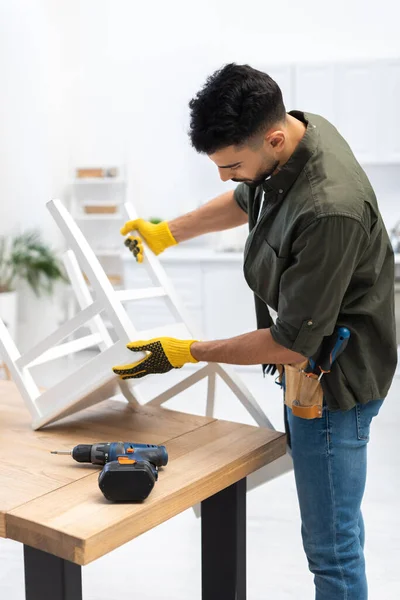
pixel 82 453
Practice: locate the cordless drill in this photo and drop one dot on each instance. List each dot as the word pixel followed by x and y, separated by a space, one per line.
pixel 129 470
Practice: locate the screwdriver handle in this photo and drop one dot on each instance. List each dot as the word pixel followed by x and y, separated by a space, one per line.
pixel 331 354
pixel 331 348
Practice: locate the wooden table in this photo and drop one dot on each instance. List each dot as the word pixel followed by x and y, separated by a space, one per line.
pixel 54 507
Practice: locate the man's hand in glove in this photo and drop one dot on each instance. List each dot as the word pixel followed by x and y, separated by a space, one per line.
pixel 164 354
pixel 158 237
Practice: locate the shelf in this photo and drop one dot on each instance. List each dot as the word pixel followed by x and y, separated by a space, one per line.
pixel 98 217
pixel 98 181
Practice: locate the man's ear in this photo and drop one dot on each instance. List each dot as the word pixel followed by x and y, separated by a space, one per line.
pixel 276 139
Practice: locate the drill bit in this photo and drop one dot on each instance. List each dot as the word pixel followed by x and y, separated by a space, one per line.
pixel 69 452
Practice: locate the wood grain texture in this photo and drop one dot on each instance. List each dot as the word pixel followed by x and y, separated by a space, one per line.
pixel 28 470
pixel 55 504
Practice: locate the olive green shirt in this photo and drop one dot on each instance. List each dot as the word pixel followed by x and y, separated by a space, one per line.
pixel 319 255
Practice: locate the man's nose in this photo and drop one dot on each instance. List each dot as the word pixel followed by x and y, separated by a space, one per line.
pixel 224 174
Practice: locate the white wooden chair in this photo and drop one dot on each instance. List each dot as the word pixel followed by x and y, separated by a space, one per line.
pixel 95 381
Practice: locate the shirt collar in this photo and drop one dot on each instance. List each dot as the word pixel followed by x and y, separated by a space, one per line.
pixel 288 174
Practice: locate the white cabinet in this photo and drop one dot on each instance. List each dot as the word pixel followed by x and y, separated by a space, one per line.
pixel 148 313
pixel 368 97
pixel 388 119
pixel 314 89
pixel 211 286
pixel 228 302
pixel 187 278
pixel 360 108
pixel 283 75
pixel 154 312
pixel 188 282
pixel 361 99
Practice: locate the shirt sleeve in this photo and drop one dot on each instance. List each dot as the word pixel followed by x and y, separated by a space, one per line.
pixel 312 288
pixel 241 196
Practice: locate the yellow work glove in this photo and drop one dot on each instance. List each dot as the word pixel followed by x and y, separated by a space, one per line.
pixel 158 237
pixel 164 354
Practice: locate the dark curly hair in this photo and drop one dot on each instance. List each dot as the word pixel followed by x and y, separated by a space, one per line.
pixel 235 104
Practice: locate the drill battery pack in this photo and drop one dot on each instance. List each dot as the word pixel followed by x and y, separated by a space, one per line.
pixel 126 480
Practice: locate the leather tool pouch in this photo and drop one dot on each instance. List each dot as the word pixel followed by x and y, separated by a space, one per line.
pixel 303 392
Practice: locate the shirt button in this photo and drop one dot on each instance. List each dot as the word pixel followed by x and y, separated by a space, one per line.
pixel 280 191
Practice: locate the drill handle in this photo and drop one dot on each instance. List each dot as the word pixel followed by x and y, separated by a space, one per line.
pixel 157 456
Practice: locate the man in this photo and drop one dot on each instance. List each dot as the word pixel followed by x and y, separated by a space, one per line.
pixel 317 253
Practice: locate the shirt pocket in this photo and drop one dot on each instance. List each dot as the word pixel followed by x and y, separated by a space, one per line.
pixel 263 270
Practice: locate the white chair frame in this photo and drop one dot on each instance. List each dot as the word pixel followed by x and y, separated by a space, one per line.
pixel 94 381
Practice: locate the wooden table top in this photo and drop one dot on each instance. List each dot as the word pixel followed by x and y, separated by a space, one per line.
pixel 54 504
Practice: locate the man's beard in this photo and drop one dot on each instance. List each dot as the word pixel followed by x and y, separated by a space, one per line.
pixel 260 179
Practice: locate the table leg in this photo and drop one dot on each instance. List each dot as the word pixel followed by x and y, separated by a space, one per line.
pixel 50 577
pixel 223 544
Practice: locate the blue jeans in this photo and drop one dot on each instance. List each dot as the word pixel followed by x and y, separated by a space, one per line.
pixel 330 466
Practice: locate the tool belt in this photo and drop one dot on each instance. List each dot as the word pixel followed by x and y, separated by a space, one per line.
pixel 303 392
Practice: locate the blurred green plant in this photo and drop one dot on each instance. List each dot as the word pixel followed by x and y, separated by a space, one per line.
pixel 26 257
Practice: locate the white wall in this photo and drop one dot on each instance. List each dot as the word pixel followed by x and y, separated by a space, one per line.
pixel 100 81
pixel 36 83
pixel 140 64
pixel 34 120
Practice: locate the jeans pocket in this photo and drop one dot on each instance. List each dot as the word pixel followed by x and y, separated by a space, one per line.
pixel 364 415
